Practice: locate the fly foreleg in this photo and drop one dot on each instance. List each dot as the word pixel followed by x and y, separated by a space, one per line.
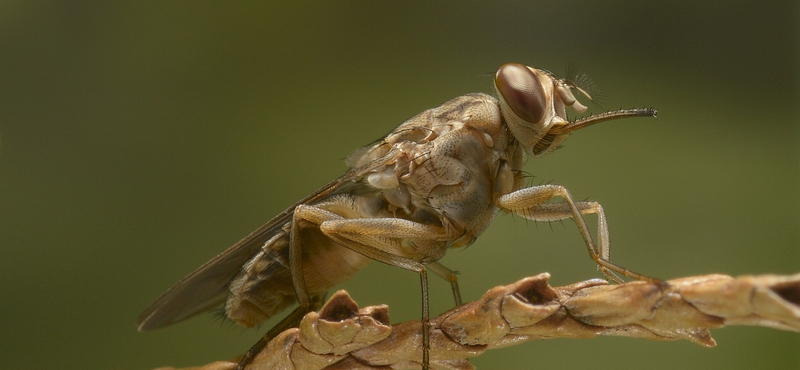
pixel 530 203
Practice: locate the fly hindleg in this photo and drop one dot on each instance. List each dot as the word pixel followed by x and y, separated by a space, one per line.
pixel 290 321
pixel 315 216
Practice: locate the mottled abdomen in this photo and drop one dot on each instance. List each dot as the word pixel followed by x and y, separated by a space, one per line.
pixel 264 286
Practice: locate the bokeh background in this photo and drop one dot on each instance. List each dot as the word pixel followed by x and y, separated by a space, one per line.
pixel 139 139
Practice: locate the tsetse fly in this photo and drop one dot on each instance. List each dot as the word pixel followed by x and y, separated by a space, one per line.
pixel 434 183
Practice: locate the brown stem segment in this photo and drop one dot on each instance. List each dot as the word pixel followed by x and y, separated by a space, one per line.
pixel 341 336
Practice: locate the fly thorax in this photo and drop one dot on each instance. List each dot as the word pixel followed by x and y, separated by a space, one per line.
pixel 392 179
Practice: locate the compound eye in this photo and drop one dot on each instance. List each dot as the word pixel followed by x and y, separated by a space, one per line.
pixel 520 88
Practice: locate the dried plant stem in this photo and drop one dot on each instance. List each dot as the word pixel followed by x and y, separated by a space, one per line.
pixel 341 336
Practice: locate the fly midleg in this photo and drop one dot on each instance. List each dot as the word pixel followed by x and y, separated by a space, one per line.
pixel 530 203
pixel 449 275
pixel 378 239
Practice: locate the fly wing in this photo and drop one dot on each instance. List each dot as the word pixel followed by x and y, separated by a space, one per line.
pixel 206 287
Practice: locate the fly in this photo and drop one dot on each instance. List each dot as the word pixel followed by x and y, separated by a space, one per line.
pixel 434 183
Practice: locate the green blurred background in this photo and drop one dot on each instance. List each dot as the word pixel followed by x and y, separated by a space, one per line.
pixel 139 139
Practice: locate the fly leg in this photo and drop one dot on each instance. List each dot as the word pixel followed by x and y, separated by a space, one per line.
pixel 315 216
pixel 449 275
pixel 382 239
pixel 290 321
pixel 560 211
pixel 530 203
